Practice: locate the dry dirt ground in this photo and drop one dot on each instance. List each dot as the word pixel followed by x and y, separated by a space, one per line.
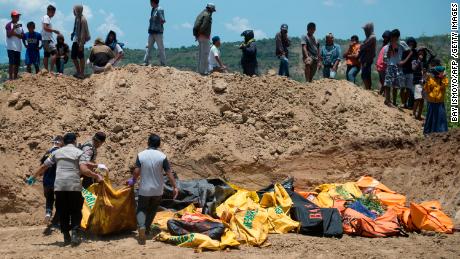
pixel 249 131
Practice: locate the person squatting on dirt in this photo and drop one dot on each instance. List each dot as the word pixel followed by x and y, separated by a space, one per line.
pixel 100 57
pixel 156 29
pixel 249 58
pixel 80 36
pixel 351 57
pixel 202 32
pixel 367 55
pixel 49 46
pixel 330 57
pixel 67 185
pixel 282 50
pixel 215 60
pixel 310 52
pixel 151 165
pixel 62 54
pixel 32 41
pixel 380 64
pixel 89 155
pixel 14 34
pixel 48 187
pixel 117 47
pixel 435 88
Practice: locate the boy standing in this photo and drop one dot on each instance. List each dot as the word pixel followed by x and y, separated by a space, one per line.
pixel 14 34
pixel 32 41
pixel 80 36
pixel 47 37
pixel 282 51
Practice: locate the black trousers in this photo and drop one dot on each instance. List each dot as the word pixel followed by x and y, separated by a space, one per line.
pixel 69 204
pixel 147 207
pixel 49 197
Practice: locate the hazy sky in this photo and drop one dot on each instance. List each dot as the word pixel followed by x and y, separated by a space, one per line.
pixel 341 17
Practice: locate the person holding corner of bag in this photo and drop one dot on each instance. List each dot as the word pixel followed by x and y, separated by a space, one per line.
pixel 67 185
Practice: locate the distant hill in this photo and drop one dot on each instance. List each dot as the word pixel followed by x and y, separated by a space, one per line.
pixel 185 58
pixel 3 54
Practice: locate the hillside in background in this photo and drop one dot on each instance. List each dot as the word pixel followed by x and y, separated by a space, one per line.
pixel 185 58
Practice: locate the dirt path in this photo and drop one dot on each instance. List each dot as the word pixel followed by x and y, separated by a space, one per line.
pixel 28 242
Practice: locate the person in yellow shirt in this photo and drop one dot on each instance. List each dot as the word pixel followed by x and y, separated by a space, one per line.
pixel 435 90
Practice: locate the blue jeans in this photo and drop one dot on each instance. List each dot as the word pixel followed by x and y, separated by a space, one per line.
pixel 60 62
pixel 352 72
pixel 284 67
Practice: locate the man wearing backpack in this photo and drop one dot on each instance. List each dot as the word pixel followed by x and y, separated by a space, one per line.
pixel 89 155
pixel 202 33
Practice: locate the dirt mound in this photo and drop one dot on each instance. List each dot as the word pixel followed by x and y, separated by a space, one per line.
pixel 226 125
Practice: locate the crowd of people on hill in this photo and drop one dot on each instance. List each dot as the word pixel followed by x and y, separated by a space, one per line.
pixel 402 66
pixel 55 51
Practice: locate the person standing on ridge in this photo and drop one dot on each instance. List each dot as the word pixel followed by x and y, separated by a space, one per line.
pixel 380 64
pixel 282 51
pixel 367 55
pixel 80 36
pixel 156 29
pixel 310 52
pixel 49 46
pixel 89 155
pixel 202 33
pixel 330 57
pixel 249 58
pixel 351 56
pixel 14 34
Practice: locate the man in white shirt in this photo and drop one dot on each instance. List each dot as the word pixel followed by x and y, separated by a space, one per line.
pixel 215 62
pixel 48 39
pixel 14 34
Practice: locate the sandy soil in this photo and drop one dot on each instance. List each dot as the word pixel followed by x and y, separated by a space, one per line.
pixel 249 131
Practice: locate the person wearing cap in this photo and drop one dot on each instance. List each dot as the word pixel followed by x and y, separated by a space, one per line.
pixel 80 36
pixel 215 61
pixel 310 52
pixel 380 64
pixel 351 56
pixel 202 33
pixel 282 50
pixel 89 149
pixel 249 58
pixel 14 35
pixel 330 54
pixel 156 29
pixel 67 185
pixel 367 55
pixel 49 46
pixel 100 57
pixel 48 186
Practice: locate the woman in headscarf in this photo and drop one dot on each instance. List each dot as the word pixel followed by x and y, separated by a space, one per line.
pixel 80 36
pixel 101 57
pixel 249 49
pixel 117 47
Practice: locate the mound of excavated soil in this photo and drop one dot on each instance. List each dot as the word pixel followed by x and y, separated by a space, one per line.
pixel 240 128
